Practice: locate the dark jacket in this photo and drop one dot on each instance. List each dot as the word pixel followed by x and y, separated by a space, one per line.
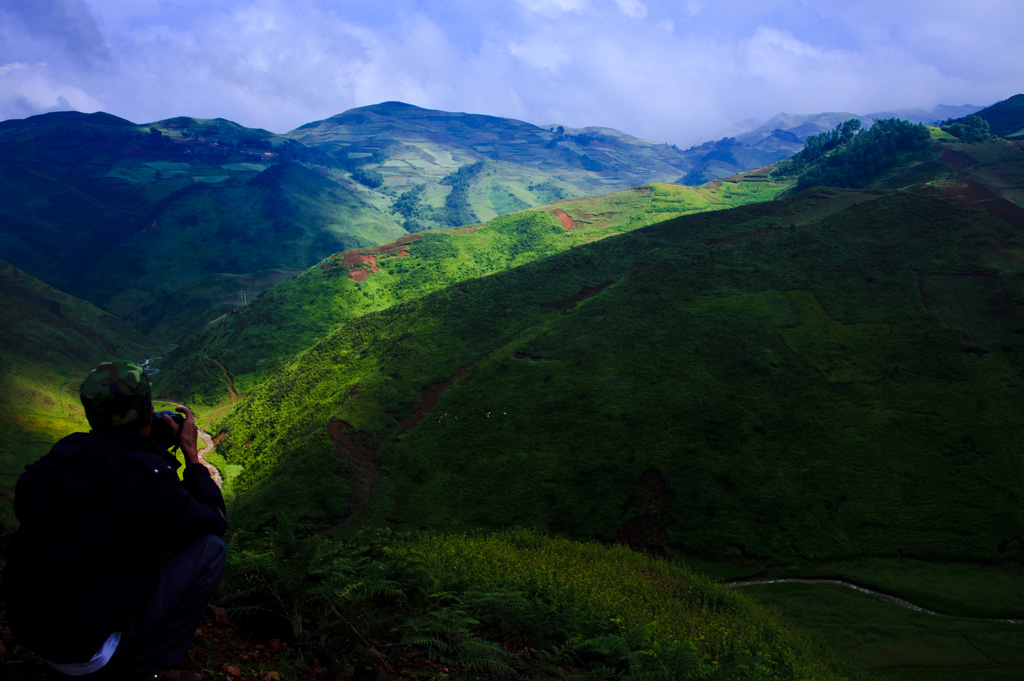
pixel 98 515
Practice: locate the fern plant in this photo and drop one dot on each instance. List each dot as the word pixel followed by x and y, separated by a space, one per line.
pixel 325 592
pixel 634 654
pixel 447 633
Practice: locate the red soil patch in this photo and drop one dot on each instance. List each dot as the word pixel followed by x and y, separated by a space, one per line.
pixel 643 190
pixel 569 303
pixel 567 221
pixel 428 400
pixel 363 262
pixel 357 259
pixel 957 160
pixel 975 195
pixel 218 437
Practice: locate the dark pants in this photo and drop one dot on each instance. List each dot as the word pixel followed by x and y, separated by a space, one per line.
pixel 159 637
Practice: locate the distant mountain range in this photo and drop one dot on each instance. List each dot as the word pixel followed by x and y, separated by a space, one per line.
pixel 88 201
pixel 784 134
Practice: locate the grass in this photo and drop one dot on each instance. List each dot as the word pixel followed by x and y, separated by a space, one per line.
pixel 618 591
pixel 895 643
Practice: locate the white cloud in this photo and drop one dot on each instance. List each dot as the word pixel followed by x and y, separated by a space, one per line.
pixel 552 8
pixel 680 71
pixel 632 8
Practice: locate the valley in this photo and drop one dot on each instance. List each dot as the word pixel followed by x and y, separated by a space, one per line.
pixel 791 391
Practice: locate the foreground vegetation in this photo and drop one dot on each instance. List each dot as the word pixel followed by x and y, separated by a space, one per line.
pixel 511 604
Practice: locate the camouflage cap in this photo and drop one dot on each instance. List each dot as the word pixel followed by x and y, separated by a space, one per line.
pixel 115 394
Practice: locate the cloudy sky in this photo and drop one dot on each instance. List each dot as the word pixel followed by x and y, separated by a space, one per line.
pixel 677 71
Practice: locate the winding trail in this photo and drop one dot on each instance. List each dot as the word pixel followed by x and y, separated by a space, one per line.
pixel 227 377
pixel 207 448
pixel 888 598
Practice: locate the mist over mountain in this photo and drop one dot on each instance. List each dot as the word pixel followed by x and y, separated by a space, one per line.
pixel 784 135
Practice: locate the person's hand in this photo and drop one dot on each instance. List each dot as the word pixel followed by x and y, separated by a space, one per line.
pixel 188 436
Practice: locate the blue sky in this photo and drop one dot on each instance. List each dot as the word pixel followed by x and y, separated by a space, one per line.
pixel 681 72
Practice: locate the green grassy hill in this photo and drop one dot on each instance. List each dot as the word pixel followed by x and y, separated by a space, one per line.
pixel 167 225
pixel 252 343
pixel 826 385
pixel 783 136
pixel 408 144
pixel 820 367
pixel 48 343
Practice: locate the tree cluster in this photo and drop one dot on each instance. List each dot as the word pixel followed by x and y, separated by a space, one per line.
pixel 847 156
pixel 456 205
pixel 972 129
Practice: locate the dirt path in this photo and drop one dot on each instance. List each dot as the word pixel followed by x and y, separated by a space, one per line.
pixel 207 448
pixel 227 377
pixel 888 598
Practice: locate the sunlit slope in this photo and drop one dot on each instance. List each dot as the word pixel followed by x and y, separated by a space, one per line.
pixel 48 343
pixel 255 341
pixel 409 144
pixel 835 374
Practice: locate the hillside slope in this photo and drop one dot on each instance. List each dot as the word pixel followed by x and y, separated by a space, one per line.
pixel 784 135
pixel 48 343
pixel 413 144
pixel 801 379
pixel 1005 118
pixel 252 343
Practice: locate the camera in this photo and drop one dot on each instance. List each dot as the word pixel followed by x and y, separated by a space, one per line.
pixel 164 435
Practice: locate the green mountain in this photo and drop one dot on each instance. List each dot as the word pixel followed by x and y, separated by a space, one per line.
pixel 825 385
pixel 735 354
pixel 407 144
pixel 1005 118
pixel 167 225
pixel 48 342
